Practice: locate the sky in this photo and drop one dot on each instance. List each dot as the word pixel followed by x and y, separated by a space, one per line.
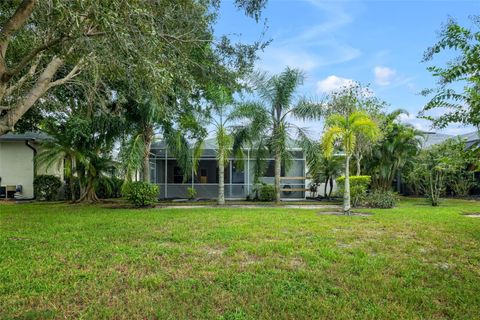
pixel 379 43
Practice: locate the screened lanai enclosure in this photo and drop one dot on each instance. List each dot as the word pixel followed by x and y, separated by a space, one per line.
pixel 239 174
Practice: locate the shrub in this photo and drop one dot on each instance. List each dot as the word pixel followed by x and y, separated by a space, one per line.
pixel 109 188
pixel 46 187
pixel 382 199
pixel 462 184
pixel 358 188
pixel 141 194
pixel 266 193
pixel 191 193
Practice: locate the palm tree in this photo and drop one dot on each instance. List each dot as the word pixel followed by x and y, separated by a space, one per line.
pixel 59 148
pixel 143 118
pixel 344 129
pixel 95 167
pixel 266 123
pixel 323 169
pixel 224 141
pixel 399 144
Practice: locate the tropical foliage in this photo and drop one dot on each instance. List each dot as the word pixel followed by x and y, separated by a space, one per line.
pixel 46 187
pixel 140 193
pixel 443 168
pixel 343 129
pixel 358 188
pixel 458 106
pixel 398 145
pixel 267 125
pixel 323 169
pixel 157 45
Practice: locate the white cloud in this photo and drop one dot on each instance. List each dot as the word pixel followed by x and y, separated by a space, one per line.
pixel 333 83
pixel 384 75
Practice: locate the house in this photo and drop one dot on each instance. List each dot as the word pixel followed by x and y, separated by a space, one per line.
pixel 17 169
pixel 432 138
pixel 239 175
pixel 472 139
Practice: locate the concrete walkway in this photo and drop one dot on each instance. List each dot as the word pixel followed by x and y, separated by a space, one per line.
pixel 252 206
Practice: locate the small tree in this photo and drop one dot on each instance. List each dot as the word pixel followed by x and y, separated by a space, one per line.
pixel 344 130
pixel 323 169
pixel 442 166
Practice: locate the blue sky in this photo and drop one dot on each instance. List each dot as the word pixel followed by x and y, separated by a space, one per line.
pixel 380 43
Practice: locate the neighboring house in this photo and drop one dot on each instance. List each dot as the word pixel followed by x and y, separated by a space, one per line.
pixel 17 169
pixel 472 139
pixel 432 138
pixel 239 175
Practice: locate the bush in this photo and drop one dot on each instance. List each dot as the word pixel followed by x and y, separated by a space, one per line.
pixel 382 199
pixel 109 188
pixel 266 193
pixel 191 193
pixel 358 188
pixel 46 187
pixel 141 194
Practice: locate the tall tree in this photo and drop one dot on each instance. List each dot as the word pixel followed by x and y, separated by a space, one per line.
pixel 458 106
pixel 356 97
pixel 47 44
pixel 267 122
pixel 344 129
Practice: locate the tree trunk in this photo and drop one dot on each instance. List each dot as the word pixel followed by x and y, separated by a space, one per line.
pixel 346 194
pixel 11 116
pixel 146 169
pixel 72 188
pixel 331 188
pixel 89 195
pixel 358 160
pixel 278 170
pixel 147 139
pixel 221 182
pixel 325 188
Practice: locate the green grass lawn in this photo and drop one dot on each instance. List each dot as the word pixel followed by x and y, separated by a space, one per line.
pixel 72 261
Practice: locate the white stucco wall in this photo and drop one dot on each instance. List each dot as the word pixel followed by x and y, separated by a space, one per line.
pixel 56 169
pixel 16 165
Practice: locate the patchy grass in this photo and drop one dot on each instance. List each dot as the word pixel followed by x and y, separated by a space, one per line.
pixel 76 261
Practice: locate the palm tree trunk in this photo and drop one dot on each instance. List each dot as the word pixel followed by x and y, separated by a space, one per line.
pixel 278 170
pixel 147 138
pixel 325 188
pixel 331 188
pixel 346 194
pixel 221 182
pixel 146 169
pixel 71 182
pixel 72 188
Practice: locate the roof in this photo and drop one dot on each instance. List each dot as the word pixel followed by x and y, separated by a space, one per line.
pixel 470 137
pixel 11 136
pixel 431 138
pixel 210 143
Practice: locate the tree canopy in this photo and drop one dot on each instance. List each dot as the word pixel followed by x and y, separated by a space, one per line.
pixel 163 46
pixel 458 82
